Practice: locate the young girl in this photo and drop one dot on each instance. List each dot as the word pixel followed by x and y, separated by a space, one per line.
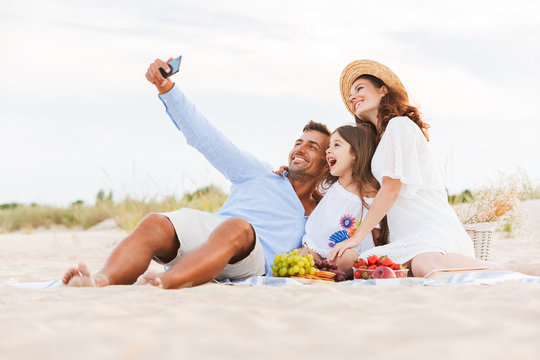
pixel 424 230
pixel 351 189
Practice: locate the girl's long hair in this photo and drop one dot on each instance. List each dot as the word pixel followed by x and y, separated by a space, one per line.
pixel 361 138
pixel 392 105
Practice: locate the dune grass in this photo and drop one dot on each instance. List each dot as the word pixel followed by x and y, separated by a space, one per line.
pixel 127 213
pixel 496 200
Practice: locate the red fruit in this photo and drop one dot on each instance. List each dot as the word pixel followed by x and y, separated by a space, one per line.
pixel 357 264
pixel 383 272
pixel 365 275
pixel 395 267
pixel 357 274
pixel 362 262
pixel 387 262
pixel 373 259
pixel 372 267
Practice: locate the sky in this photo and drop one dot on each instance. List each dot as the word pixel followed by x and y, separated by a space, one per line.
pixel 77 114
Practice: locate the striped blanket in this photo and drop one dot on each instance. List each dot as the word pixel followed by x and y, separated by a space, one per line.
pixel 458 279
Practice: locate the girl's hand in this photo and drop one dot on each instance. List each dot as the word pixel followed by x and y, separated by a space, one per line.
pixel 341 247
pixel 281 170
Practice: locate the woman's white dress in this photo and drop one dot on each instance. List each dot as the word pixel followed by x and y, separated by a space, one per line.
pixel 421 220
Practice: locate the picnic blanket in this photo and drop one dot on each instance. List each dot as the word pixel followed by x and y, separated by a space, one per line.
pixel 457 279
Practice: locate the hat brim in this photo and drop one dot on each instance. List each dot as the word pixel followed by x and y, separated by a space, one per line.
pixel 368 67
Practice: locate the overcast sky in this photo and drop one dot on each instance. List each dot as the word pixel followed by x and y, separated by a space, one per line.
pixel 77 115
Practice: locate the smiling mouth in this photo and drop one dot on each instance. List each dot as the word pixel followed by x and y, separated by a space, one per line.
pixel 331 162
pixel 297 159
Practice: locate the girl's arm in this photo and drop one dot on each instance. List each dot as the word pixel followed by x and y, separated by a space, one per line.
pixel 385 198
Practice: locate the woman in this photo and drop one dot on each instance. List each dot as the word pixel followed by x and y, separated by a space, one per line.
pixel 425 232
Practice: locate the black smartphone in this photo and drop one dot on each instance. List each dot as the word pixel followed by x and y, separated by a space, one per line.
pixel 174 66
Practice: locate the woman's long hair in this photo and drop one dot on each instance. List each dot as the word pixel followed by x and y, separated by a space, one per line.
pixel 361 138
pixel 392 105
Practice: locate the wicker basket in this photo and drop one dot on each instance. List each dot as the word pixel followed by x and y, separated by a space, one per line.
pixel 481 234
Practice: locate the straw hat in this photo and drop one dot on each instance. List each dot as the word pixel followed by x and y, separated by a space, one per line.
pixel 368 67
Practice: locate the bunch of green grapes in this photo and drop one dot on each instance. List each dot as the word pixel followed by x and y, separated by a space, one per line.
pixel 291 264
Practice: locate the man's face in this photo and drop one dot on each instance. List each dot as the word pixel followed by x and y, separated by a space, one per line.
pixel 308 156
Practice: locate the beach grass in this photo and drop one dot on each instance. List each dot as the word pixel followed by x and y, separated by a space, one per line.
pixel 127 212
pixel 496 200
pixel 130 211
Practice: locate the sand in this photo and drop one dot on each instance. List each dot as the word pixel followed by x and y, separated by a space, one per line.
pixel 217 321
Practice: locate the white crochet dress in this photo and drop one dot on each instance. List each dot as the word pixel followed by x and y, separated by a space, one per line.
pixel 421 220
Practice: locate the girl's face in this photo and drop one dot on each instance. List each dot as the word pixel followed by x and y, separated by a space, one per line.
pixel 365 99
pixel 339 156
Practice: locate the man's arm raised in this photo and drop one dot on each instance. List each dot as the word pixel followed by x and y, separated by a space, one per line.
pixel 236 164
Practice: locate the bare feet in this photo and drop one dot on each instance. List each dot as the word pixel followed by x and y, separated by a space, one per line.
pixel 149 278
pixel 80 277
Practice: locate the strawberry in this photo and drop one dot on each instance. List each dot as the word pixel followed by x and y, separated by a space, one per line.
pixel 387 262
pixel 362 262
pixel 395 267
pixel 373 260
pixel 357 274
pixel 365 275
pixel 373 267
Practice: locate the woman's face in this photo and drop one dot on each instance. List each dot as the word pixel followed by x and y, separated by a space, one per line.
pixel 339 156
pixel 365 99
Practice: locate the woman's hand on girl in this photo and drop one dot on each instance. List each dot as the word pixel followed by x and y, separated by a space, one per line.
pixel 340 248
pixel 384 200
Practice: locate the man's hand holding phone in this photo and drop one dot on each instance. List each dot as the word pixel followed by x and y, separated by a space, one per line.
pixel 155 76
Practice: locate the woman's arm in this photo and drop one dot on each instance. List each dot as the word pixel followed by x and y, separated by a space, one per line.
pixel 382 203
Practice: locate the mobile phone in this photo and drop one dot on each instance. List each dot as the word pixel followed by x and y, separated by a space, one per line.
pixel 174 66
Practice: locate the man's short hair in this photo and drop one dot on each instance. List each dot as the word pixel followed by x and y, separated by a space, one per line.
pixel 316 126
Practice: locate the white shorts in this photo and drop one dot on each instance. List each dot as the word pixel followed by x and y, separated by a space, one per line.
pixel 193 227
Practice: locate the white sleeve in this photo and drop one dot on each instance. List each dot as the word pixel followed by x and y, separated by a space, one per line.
pixel 402 145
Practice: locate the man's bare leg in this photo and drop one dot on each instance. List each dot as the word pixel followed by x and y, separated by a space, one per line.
pixel 232 241
pixel 153 237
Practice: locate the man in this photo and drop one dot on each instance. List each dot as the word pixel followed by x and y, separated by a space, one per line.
pixel 263 216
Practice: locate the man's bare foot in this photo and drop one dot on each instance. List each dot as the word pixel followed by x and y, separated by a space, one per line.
pixel 149 278
pixel 79 277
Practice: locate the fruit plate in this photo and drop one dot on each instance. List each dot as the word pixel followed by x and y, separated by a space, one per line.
pixel 382 272
pixel 311 281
